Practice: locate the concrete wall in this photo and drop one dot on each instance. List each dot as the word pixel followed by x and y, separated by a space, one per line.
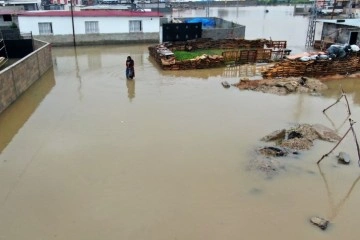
pixel 100 39
pixel 222 29
pixel 107 25
pixel 4 23
pixel 221 33
pixel 17 78
pixel 338 33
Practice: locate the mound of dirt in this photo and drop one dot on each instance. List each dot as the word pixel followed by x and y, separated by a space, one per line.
pixel 283 86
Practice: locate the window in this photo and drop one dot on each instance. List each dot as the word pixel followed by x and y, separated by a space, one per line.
pixel 91 27
pixel 7 18
pixel 135 26
pixel 45 28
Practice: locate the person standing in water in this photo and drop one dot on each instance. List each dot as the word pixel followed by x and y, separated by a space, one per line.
pixel 130 71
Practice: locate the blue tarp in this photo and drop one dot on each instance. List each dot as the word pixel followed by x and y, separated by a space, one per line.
pixel 206 22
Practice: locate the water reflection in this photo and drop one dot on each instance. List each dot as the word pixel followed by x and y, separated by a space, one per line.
pixel 335 208
pixel 222 13
pixel 15 116
pixel 335 126
pixel 172 169
pixel 198 73
pixel 94 60
pixel 351 87
pixel 130 84
pixel 78 76
pixel 279 23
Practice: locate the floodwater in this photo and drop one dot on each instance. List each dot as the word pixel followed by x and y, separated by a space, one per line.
pixel 279 23
pixel 86 154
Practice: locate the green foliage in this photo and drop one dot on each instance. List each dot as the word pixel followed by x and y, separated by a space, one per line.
pixel 185 55
pixel 13 25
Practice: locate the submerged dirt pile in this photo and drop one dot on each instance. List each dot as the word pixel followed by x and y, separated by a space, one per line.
pixel 302 136
pixel 283 86
pixel 289 142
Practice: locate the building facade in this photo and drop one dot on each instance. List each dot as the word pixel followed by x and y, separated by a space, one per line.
pixel 91 27
pixel 343 31
pixel 28 5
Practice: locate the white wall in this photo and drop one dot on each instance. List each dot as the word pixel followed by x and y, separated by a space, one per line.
pixel 63 25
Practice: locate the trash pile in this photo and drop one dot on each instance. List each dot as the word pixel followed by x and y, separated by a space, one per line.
pixel 333 52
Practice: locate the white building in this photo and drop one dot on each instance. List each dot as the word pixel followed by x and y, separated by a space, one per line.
pixel 98 26
pixel 8 17
pixel 27 4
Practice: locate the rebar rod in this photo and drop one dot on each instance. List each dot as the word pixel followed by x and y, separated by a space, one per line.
pixel 327 154
pixel 356 141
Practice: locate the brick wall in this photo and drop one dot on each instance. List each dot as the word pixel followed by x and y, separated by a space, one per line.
pixel 17 78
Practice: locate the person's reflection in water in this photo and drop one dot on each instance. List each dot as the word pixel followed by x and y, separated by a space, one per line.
pixel 130 84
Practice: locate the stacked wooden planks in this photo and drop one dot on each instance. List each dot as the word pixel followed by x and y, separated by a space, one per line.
pixel 217 44
pixel 314 68
pixel 204 61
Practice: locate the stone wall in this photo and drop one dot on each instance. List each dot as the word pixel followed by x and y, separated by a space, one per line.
pixel 18 77
pixel 100 39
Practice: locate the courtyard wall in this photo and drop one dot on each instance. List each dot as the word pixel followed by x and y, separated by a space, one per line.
pixel 18 77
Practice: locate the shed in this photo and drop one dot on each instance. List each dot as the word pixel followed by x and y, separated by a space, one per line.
pixel 344 31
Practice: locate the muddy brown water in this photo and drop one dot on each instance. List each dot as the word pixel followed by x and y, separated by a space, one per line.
pixel 86 154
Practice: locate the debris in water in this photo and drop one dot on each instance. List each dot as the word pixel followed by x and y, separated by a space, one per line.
pixel 320 222
pixel 225 84
pixel 343 157
pixel 283 86
pixel 342 138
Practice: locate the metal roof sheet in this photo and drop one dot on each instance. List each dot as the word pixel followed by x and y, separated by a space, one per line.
pixel 352 22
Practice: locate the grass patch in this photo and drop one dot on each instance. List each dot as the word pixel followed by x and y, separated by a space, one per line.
pixel 185 55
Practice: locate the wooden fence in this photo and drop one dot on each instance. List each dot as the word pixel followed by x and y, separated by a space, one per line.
pixel 248 56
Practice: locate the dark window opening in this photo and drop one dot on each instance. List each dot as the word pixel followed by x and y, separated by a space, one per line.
pixel 7 18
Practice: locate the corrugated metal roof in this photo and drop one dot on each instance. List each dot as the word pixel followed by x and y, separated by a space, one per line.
pixel 90 13
pixel 352 22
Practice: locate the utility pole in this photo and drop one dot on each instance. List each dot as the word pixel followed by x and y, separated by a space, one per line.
pixel 333 10
pixel 310 36
pixel 207 8
pixel 72 21
pixel 349 8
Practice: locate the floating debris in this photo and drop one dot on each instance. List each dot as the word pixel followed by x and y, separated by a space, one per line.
pixel 225 84
pixel 320 222
pixel 343 157
pixel 273 151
